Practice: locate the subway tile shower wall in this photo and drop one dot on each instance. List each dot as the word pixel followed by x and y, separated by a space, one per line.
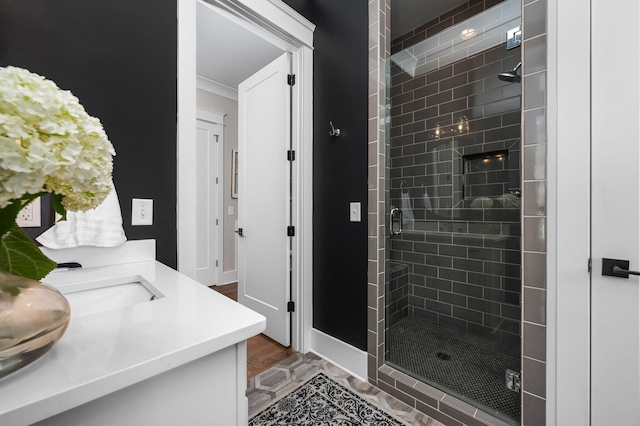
pixel 397 292
pixel 455 173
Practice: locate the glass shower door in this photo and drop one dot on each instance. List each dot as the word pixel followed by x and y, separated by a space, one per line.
pixel 453 193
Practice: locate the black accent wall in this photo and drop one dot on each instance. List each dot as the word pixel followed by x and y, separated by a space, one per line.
pixel 120 59
pixel 340 166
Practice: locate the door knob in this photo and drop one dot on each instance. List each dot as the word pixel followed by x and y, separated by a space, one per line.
pixel 617 268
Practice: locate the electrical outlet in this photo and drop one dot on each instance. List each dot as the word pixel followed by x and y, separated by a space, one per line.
pixel 141 212
pixel 29 217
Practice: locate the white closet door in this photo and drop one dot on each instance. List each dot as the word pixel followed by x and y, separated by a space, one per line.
pixel 615 328
pixel 263 198
pixel 206 214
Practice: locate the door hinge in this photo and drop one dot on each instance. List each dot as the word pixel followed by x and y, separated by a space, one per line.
pixel 291 79
pixel 291 231
pixel 291 155
pixel 216 263
pixel 216 222
pixel 291 306
pixel 216 181
pixel 589 266
pixel 216 138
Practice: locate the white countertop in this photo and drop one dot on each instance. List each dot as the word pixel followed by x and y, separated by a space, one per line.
pixel 104 352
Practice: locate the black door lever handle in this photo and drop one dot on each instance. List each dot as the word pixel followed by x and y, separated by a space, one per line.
pixel 617 268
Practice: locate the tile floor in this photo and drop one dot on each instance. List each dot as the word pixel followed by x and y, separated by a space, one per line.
pixel 292 372
pixel 473 365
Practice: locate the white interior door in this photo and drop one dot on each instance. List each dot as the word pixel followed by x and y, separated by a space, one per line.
pixel 263 196
pixel 206 214
pixel 615 331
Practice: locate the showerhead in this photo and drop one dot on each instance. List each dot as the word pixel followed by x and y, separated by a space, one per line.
pixel 511 76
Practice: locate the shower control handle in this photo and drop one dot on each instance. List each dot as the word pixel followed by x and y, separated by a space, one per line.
pixel 395 212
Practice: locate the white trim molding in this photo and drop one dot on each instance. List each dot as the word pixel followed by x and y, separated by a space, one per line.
pixel 217 88
pixel 210 116
pixel 274 16
pixel 303 188
pixel 186 132
pixel 568 207
pixel 341 354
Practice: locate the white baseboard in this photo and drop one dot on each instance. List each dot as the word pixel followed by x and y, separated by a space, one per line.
pixel 229 277
pixel 341 354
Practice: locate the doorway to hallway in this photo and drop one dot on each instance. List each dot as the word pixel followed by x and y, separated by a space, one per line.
pixel 279 25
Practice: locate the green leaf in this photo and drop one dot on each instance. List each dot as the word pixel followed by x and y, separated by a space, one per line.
pixel 56 202
pixel 8 216
pixel 20 256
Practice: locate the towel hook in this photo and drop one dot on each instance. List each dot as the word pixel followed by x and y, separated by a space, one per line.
pixel 334 132
pixel 402 184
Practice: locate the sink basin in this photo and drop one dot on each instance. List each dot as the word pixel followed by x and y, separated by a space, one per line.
pixel 100 296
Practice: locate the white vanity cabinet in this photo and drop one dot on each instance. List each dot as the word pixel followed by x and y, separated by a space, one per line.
pixel 207 391
pixel 178 359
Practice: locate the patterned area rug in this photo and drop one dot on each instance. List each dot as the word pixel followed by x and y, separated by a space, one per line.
pixel 321 401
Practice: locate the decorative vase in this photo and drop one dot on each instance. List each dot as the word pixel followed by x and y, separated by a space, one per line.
pixel 33 317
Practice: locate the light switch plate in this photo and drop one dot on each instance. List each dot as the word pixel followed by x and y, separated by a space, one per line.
pixel 354 212
pixel 141 212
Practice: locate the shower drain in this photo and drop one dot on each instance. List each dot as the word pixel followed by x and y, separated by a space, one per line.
pixel 443 356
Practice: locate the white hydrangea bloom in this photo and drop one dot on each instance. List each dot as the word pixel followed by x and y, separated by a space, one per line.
pixel 48 142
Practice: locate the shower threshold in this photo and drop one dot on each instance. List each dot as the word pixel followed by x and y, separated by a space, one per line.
pixel 469 366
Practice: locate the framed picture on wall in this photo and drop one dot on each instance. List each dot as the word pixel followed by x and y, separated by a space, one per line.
pixel 234 173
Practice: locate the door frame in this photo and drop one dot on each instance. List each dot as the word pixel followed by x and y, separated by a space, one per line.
pixel 277 23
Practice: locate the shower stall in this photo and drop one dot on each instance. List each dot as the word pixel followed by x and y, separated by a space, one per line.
pixel 453 185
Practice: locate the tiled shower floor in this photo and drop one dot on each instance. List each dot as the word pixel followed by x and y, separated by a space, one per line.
pixel 473 366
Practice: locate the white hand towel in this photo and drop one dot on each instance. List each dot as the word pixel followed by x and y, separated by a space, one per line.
pixel 99 227
pixel 405 206
pixel 426 201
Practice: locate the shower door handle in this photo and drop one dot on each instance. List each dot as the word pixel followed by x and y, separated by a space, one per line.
pixel 395 212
